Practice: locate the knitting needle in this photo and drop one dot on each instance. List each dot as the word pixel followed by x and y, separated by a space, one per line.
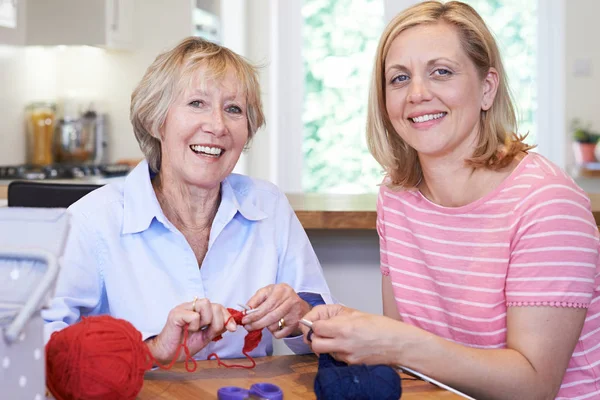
pixel 433 381
pixel 306 323
pixel 247 309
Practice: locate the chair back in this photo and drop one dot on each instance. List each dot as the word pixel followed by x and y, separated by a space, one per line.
pixel 46 195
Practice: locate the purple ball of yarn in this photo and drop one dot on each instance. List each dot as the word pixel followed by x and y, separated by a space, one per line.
pixel 337 380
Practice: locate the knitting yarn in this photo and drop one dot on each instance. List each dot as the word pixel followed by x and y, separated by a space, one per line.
pixel 338 380
pixel 103 357
pixel 98 358
pixel 251 341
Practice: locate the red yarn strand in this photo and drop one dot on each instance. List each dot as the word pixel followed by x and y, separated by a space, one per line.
pixel 210 356
pixel 188 357
pixel 251 342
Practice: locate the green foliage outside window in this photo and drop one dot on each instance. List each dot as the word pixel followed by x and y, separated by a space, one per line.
pixel 514 24
pixel 339 43
pixel 340 39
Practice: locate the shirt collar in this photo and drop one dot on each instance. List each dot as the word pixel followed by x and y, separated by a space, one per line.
pixel 141 206
pixel 237 200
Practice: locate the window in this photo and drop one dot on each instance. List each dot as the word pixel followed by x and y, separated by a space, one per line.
pixel 514 25
pixel 329 45
pixel 338 53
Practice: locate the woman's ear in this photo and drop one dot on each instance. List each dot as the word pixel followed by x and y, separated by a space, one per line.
pixel 490 87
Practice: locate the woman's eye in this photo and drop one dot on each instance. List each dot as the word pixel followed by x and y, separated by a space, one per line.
pixel 442 72
pixel 234 109
pixel 399 78
pixel 196 103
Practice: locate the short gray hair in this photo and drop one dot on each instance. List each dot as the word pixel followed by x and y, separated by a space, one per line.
pixel 166 77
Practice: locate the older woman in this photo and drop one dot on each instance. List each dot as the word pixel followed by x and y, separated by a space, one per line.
pixel 183 238
pixel 489 253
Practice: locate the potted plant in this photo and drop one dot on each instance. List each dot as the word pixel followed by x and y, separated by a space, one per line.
pixel 584 142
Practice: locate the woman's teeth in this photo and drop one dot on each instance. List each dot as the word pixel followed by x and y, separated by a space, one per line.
pixel 427 117
pixel 212 151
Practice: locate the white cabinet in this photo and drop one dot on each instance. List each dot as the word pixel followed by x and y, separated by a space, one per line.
pixel 12 22
pixel 105 23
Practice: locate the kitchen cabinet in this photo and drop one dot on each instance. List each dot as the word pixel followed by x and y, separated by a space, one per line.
pixel 12 22
pixel 104 23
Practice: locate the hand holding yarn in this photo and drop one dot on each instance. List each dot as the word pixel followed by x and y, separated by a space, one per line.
pixel 355 337
pixel 204 321
pixel 279 308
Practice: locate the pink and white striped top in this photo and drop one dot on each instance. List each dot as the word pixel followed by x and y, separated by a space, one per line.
pixel 532 241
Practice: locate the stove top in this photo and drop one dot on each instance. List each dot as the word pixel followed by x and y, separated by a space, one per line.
pixel 63 171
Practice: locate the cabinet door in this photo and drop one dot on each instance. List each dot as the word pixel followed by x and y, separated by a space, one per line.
pixel 12 22
pixel 120 20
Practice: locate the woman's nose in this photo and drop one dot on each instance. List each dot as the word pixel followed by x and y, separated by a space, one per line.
pixel 216 123
pixel 418 92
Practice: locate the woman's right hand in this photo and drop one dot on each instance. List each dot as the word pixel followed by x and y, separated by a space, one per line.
pixel 357 337
pixel 205 321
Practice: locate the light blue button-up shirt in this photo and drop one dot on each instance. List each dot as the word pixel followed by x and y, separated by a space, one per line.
pixel 124 258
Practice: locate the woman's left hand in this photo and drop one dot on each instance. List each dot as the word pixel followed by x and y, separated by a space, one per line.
pixel 279 309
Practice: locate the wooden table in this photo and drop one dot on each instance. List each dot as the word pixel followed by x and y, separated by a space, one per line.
pixel 293 374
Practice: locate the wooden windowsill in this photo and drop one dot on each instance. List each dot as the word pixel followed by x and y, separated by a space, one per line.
pixel 335 211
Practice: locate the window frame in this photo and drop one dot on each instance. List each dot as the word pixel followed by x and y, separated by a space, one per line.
pixel 286 77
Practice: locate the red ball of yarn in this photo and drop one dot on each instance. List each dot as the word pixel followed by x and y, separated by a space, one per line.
pixel 98 358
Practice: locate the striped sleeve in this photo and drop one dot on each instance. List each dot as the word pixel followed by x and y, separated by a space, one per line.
pixel 554 250
pixel 384 266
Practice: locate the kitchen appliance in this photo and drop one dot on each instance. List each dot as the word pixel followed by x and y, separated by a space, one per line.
pixel 80 138
pixel 63 171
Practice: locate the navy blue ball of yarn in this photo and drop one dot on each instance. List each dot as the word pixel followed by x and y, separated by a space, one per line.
pixel 337 380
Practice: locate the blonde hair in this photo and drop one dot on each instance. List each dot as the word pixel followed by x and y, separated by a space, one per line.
pixel 498 142
pixel 170 74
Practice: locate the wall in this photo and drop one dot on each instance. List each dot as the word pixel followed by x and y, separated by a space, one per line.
pixel 35 73
pixel 350 261
pixel 28 74
pixel 582 52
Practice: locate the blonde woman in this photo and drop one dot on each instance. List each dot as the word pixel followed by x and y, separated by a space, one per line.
pixel 183 238
pixel 489 253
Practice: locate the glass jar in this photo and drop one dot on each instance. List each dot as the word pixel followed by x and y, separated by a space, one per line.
pixel 40 118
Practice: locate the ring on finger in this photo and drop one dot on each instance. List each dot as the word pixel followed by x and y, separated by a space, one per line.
pixel 281 324
pixel 194 303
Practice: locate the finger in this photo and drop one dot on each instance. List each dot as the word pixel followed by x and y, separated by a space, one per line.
pixel 179 317
pixel 266 308
pixel 230 324
pixel 307 336
pixel 326 345
pixel 205 309
pixel 278 295
pixel 170 337
pixel 190 305
pixel 272 318
pixel 218 322
pixel 336 327
pixel 260 296
pixel 318 313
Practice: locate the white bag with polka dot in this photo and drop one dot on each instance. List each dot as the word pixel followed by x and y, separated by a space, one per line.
pixel 31 242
